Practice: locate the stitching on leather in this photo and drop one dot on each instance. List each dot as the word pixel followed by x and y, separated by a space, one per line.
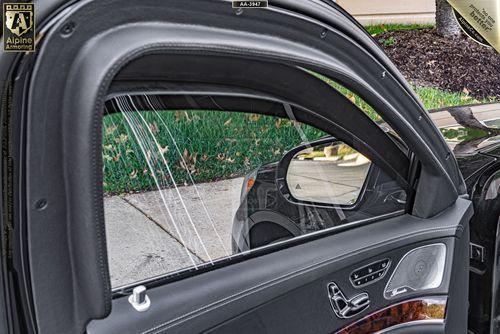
pixel 97 121
pixel 261 286
pixel 158 49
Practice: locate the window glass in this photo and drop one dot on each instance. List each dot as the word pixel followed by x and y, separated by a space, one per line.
pixel 185 188
pixel 362 105
pixel 331 173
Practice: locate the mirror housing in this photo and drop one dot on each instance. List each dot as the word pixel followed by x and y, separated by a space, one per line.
pixel 324 173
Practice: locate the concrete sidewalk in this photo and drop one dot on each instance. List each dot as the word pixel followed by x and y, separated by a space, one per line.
pixel 146 232
pixel 157 232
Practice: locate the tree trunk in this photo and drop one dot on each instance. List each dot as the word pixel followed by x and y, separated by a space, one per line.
pixel 446 24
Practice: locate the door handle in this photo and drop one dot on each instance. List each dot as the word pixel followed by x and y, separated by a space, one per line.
pixel 347 307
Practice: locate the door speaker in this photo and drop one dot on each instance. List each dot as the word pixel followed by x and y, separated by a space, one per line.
pixel 420 269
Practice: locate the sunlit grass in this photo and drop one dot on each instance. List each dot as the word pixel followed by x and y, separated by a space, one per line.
pixel 381 28
pixel 433 98
pixel 212 145
pixel 216 145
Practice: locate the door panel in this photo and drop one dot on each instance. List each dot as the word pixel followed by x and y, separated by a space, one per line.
pixel 286 291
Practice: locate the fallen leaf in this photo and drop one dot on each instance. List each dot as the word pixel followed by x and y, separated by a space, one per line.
pixel 121 139
pixel 111 129
pixel 188 161
pixel 154 128
pixel 278 123
pixel 254 117
pixel 163 150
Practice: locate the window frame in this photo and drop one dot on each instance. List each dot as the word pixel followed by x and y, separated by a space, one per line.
pixel 70 110
pixel 212 100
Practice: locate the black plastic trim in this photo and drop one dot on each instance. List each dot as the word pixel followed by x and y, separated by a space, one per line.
pixel 70 83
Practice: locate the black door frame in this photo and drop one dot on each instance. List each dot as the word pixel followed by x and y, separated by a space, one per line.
pixel 69 84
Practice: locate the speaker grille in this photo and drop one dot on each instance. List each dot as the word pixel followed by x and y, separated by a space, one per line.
pixel 420 269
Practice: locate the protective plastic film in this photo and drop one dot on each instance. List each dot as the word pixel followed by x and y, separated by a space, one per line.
pixel 185 188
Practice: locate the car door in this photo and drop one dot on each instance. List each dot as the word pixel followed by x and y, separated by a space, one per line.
pixel 292 60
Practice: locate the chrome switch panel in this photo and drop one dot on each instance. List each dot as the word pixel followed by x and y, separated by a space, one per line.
pixel 344 307
pixel 370 273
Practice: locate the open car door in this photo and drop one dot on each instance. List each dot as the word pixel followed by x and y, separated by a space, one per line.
pixel 360 268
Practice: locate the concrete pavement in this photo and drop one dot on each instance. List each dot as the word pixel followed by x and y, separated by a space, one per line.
pixel 157 232
pixel 146 232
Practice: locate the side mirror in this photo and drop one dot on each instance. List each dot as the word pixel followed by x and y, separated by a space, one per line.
pixel 325 172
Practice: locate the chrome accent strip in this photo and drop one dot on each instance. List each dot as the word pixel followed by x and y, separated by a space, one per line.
pixel 412 323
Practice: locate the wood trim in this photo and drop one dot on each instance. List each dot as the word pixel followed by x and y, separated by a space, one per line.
pixel 413 310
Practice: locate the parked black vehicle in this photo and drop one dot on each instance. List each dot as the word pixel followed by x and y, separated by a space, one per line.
pixel 365 228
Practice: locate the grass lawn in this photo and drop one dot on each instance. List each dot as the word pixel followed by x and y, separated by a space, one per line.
pixel 212 145
pixel 381 28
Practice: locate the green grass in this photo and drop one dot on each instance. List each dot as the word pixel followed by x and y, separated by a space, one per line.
pixel 213 145
pixel 433 98
pixel 381 28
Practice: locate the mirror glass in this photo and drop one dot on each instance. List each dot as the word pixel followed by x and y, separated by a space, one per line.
pixel 331 173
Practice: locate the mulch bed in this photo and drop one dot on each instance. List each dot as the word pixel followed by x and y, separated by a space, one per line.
pixel 458 65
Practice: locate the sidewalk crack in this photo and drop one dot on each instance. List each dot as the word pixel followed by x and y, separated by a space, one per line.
pixel 163 229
